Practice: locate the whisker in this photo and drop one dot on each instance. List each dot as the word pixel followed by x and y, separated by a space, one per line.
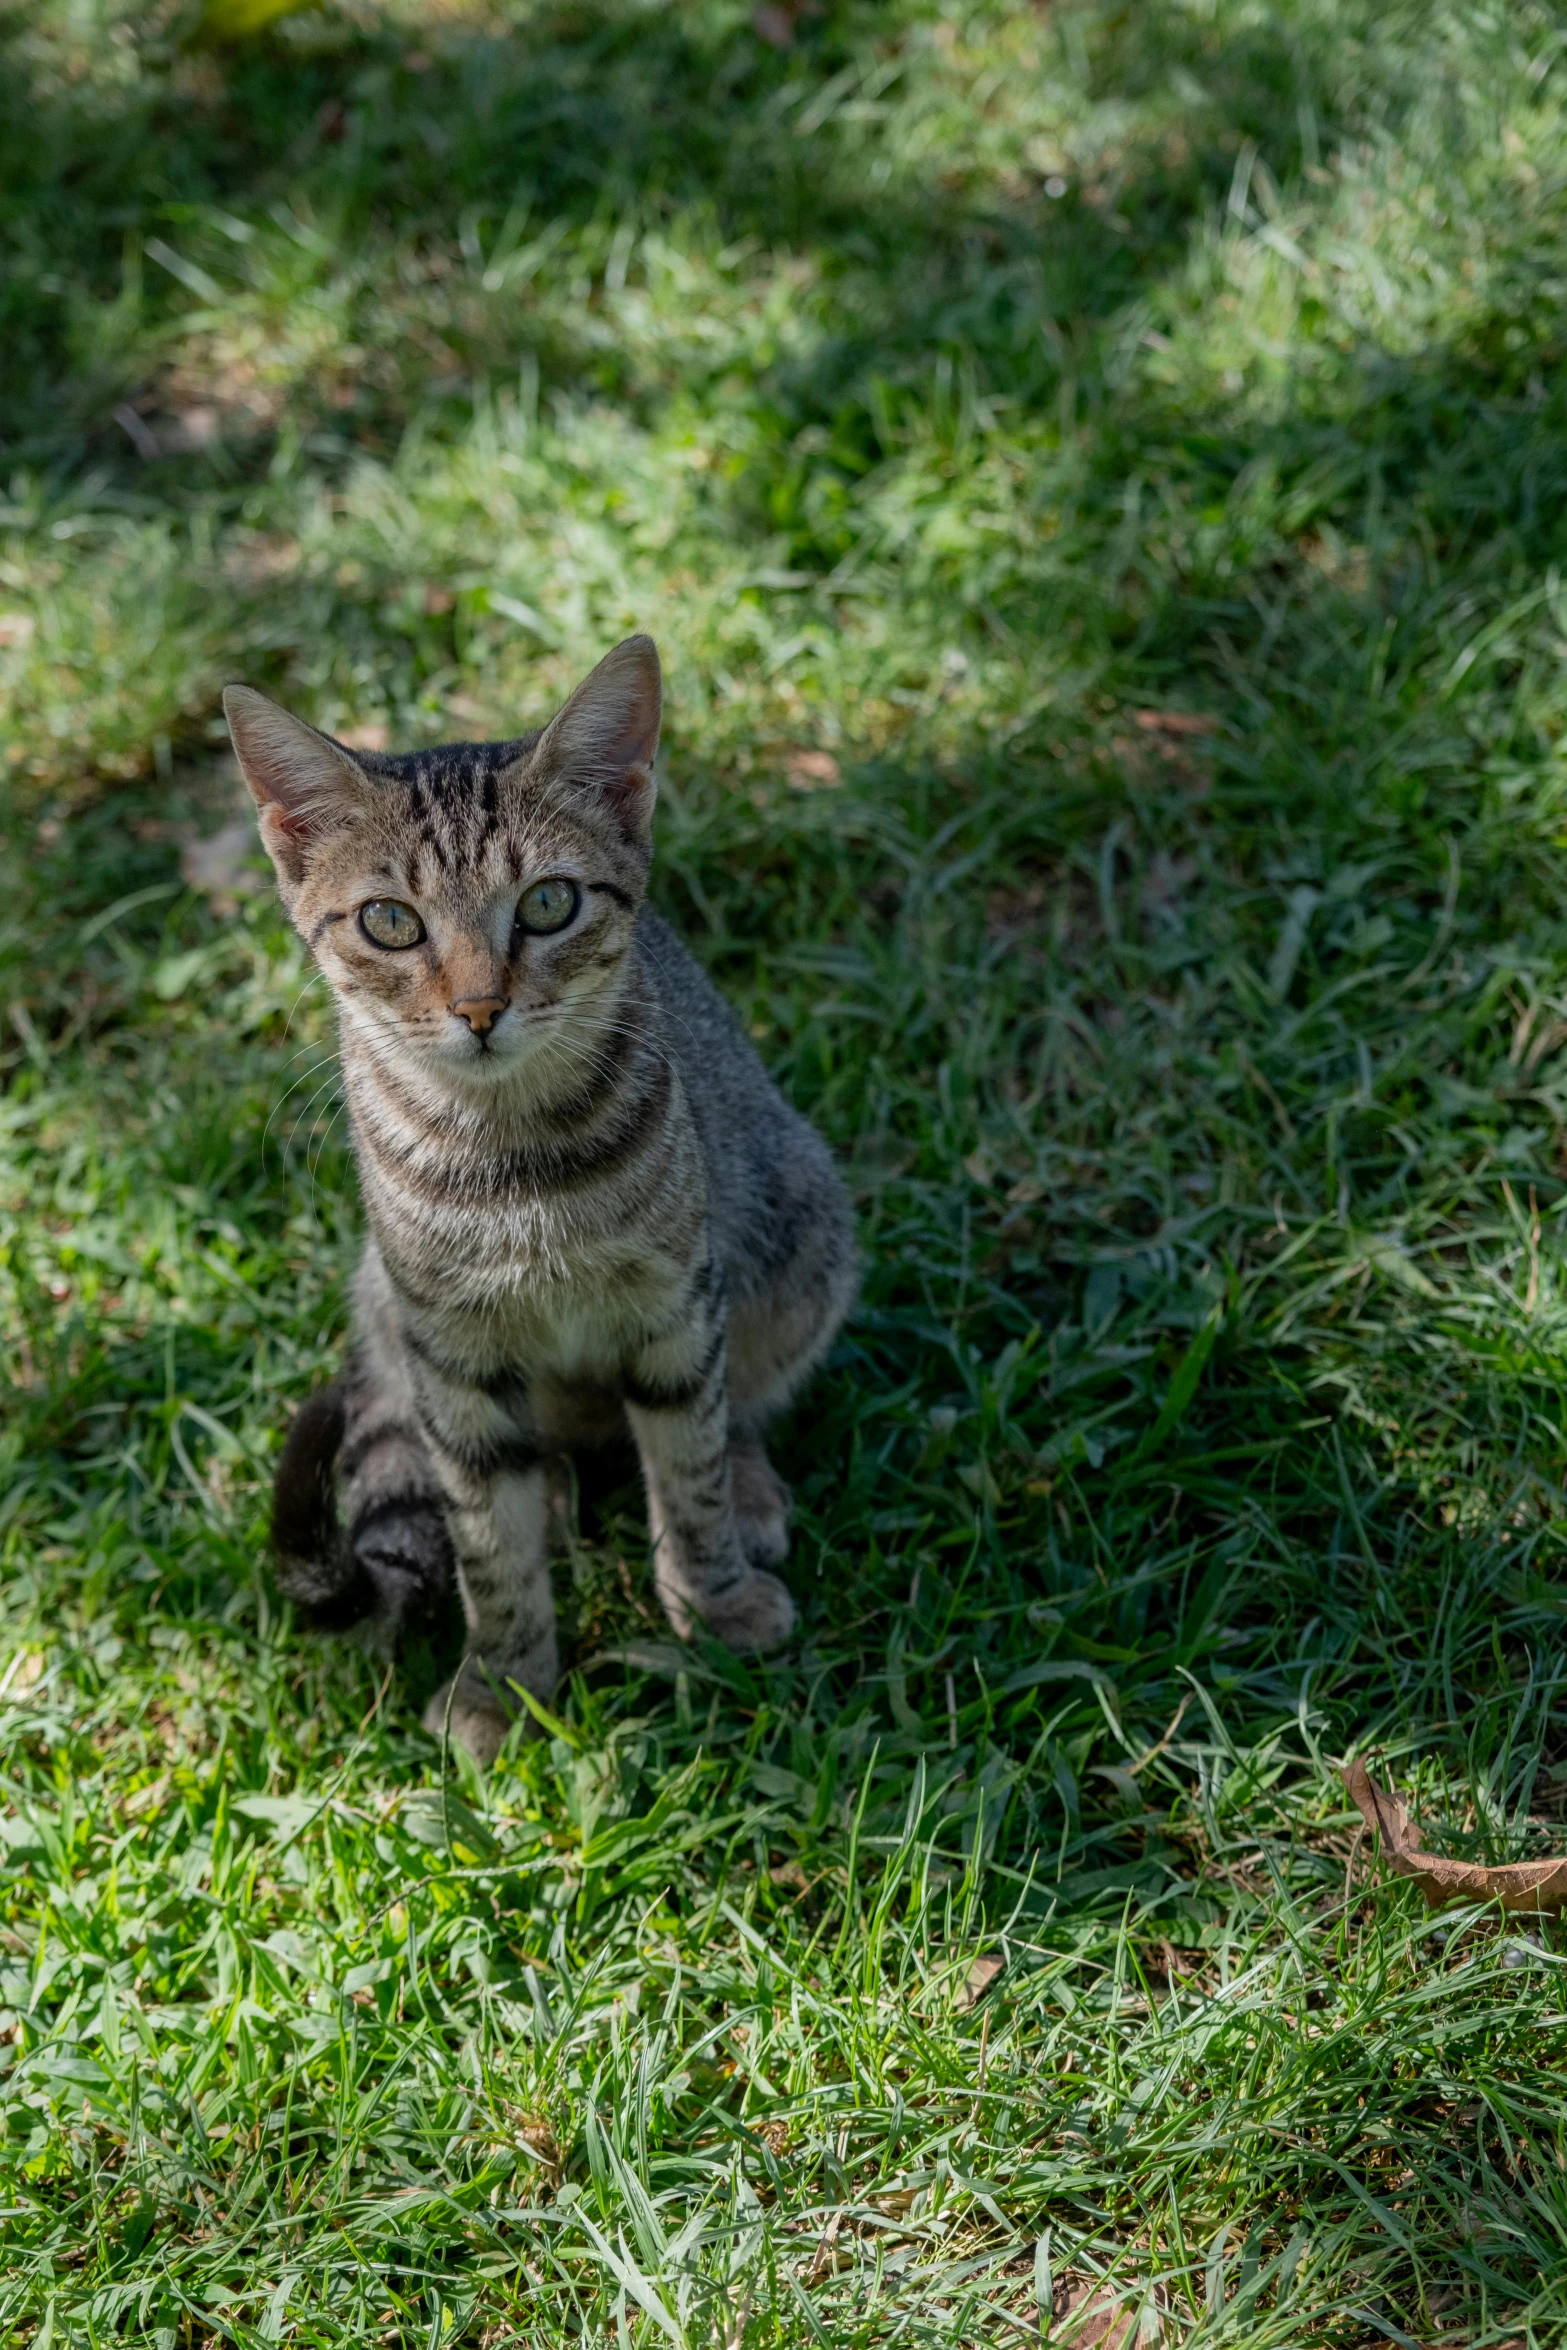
pixel 321 1094
pixel 316 979
pixel 281 1104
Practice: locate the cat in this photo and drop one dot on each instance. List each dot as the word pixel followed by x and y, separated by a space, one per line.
pixel 589 1206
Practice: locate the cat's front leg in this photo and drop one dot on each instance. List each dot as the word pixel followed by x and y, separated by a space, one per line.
pixel 677 1399
pixel 488 1461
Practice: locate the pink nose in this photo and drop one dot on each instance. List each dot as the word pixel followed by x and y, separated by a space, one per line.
pixel 480 1010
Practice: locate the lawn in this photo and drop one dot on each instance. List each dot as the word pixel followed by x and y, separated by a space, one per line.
pixel 1096 475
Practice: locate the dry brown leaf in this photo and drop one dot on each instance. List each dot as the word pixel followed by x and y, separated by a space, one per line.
pixel 979 1979
pixel 1538 1886
pixel 813 770
pixel 1087 2314
pixel 1175 721
pixel 535 2133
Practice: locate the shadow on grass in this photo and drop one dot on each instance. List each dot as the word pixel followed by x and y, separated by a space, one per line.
pixel 592 113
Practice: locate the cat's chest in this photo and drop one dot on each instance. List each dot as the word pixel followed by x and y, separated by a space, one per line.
pixel 576 1319
pixel 544 1287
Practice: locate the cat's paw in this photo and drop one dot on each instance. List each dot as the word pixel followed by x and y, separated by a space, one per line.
pixel 472 1718
pixel 477 1708
pixel 754 1615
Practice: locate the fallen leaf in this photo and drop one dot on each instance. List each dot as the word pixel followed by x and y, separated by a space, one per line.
pixel 1088 2315
pixel 813 770
pixel 979 1979
pixel 1534 1885
pixel 1175 721
pixel 541 2142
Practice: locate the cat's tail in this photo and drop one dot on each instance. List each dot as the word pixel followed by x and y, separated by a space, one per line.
pixel 316 1568
pixel 394 1564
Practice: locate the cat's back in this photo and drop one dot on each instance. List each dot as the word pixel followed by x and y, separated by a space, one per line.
pixel 767 1167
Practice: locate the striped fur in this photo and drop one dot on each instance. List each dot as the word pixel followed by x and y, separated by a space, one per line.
pixel 589 1206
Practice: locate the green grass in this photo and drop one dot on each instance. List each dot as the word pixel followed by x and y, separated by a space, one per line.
pixel 964 396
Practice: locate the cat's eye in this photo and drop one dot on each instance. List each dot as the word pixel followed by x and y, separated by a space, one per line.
pixel 547 906
pixel 387 922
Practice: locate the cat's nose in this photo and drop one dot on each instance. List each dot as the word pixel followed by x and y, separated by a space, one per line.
pixel 480 1011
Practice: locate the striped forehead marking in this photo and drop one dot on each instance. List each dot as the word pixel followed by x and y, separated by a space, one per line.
pixel 450 791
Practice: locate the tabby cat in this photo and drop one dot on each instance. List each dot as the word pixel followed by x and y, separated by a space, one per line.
pixel 588 1204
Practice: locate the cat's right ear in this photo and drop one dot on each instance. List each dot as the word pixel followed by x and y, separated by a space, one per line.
pixel 303 783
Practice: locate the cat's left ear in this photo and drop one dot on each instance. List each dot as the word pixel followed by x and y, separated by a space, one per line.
pixel 606 737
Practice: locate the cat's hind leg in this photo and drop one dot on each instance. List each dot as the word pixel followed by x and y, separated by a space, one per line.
pixel 789 1294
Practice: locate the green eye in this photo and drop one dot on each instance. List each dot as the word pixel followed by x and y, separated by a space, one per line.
pixel 547 906
pixel 387 922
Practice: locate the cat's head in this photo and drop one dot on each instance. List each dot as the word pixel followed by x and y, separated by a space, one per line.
pixel 473 904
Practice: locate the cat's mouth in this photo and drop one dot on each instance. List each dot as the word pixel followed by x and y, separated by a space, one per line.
pixel 507 1041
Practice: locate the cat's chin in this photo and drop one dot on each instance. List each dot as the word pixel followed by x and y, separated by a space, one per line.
pixel 476 1069
pixel 472 1067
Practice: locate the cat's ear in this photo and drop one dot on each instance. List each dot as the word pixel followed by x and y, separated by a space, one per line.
pixel 303 783
pixel 606 737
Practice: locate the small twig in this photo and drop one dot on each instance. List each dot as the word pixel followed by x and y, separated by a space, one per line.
pixel 1155 1751
pixel 376 1702
pixel 952 1714
pixel 823 2259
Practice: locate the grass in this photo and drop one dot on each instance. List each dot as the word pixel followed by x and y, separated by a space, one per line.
pixel 1097 478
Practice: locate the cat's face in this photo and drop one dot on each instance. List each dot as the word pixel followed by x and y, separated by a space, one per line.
pixel 471 906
